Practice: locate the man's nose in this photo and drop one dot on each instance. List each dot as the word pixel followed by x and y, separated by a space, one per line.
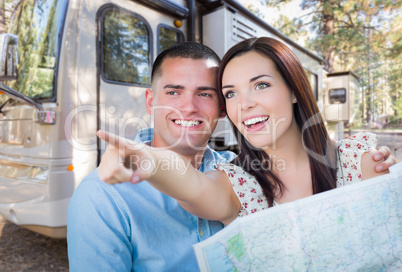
pixel 188 103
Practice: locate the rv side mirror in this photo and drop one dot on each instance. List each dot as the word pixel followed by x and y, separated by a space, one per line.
pixel 337 96
pixel 8 56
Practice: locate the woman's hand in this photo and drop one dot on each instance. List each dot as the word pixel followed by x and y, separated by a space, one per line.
pixel 384 159
pixel 124 160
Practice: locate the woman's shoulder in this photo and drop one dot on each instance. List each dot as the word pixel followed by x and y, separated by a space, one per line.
pixel 363 141
pixel 351 150
pixel 231 168
pixel 246 187
pixel 237 175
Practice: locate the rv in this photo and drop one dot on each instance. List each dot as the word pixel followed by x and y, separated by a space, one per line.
pixel 71 67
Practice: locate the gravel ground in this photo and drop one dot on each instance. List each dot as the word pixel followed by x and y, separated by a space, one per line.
pixel 24 250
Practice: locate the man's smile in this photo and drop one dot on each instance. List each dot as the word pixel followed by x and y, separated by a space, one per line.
pixel 187 123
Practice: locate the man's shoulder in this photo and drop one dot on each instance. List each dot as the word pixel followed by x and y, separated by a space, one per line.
pixel 91 182
pixel 145 135
pixel 212 158
pixel 221 156
pixel 93 189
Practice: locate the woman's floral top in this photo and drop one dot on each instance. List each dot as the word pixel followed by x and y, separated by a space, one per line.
pixel 350 152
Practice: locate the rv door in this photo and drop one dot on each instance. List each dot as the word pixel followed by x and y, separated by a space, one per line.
pixel 129 39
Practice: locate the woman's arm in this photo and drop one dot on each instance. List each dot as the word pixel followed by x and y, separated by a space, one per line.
pixel 207 195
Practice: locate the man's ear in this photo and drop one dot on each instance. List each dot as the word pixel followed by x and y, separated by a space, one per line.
pixel 223 112
pixel 149 98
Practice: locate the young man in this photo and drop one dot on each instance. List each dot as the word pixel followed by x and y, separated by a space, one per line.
pixel 128 227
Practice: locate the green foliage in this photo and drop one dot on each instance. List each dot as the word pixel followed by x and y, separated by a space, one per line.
pixel 8 7
pixel 37 24
pixel 125 48
pixel 364 36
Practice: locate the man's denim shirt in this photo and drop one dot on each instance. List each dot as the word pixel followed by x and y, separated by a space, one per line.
pixel 126 227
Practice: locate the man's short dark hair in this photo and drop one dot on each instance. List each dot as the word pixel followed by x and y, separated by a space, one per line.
pixel 187 50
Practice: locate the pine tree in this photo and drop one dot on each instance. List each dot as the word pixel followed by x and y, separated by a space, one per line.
pixel 364 36
pixel 2 17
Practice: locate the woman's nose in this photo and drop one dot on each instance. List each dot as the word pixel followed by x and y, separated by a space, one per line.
pixel 247 102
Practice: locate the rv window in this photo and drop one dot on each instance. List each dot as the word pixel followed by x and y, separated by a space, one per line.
pixel 168 37
pixel 38 25
pixel 337 96
pixel 313 83
pixel 125 48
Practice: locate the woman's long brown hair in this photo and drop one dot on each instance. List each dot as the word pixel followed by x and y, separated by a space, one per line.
pixel 321 151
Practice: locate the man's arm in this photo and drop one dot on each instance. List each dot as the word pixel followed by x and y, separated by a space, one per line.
pixel 97 229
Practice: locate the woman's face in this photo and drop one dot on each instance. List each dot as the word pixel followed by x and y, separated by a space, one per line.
pixel 258 101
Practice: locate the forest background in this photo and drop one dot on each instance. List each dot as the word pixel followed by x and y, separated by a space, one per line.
pixel 362 36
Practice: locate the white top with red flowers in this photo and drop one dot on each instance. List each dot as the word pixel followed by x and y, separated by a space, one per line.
pixel 350 153
pixel 247 189
pixel 250 193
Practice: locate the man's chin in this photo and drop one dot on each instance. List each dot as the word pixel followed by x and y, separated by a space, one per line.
pixel 188 146
pixel 178 141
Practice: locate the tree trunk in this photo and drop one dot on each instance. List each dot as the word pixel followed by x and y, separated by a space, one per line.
pixel 328 30
pixel 2 17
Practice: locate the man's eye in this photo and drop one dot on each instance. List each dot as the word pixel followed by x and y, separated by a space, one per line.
pixel 262 85
pixel 230 94
pixel 205 94
pixel 172 93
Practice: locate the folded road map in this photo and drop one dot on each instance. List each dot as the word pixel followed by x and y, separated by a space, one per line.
pixel 353 228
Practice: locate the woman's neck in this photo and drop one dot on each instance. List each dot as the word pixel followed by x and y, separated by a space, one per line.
pixel 287 152
pixel 290 163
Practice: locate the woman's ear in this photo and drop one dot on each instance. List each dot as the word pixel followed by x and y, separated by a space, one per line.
pixel 294 99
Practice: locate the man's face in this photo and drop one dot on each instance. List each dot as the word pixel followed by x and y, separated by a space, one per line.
pixel 184 103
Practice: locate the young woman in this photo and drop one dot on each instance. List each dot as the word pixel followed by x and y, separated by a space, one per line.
pixel 286 153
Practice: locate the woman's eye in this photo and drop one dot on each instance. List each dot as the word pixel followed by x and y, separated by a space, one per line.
pixel 262 85
pixel 230 94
